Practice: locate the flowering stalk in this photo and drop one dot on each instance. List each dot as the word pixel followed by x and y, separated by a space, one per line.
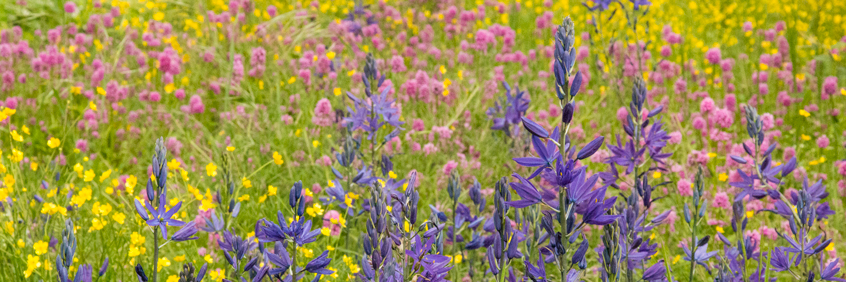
pixel 698 248
pixel 160 218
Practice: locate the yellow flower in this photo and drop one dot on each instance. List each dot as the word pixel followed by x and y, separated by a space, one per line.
pixel 277 158
pixel 676 259
pixel 179 258
pixel 169 88
pixel 16 136
pixel 80 198
pixel 163 262
pixel 51 209
pixel 89 175
pixel 17 156
pixel 101 210
pixel 97 224
pixel 32 263
pixel 442 69
pixel 173 278
pixel 9 180
pixel 315 210
pixel 137 239
pixel 159 16
pixel 218 275
pixel 315 143
pixel 806 137
pixel 330 55
pixel 53 142
pixel 804 113
pixel 392 175
pixel 78 169
pixel 230 148
pixel 246 182
pixel 173 164
pixel 656 174
pixel 9 227
pixel 6 113
pixel 722 177
pixel 134 251
pixel 271 190
pixel 308 253
pixel 105 175
pixel 208 259
pixel 720 229
pixel 92 105
pixel 337 91
pixel 211 169
pixel 131 181
pixel 245 197
pixel 40 247
pixel 457 258
pixel 750 214
pixel 326 231
pixel 33 166
pixel 119 218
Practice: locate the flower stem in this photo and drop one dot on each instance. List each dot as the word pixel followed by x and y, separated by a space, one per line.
pixel 155 252
pixel 294 263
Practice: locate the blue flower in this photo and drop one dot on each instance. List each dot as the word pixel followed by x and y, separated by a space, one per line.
pixel 161 218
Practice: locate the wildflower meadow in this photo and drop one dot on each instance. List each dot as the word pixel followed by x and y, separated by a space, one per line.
pixel 422 141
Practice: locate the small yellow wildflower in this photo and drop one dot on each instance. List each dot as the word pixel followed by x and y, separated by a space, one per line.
pixel 40 247
pixel 211 169
pixel 53 142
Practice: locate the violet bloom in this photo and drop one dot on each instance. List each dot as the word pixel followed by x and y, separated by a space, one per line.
pixel 318 264
pixel 185 233
pixel 656 272
pixel 547 154
pixel 159 217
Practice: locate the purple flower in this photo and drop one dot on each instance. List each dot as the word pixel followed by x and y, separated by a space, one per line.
pixel 656 272
pixel 547 153
pixel 186 232
pixel 529 195
pixel 161 218
pixel 534 128
pixel 830 272
pixel 590 148
pixel 781 259
pixel 318 264
pixel 700 256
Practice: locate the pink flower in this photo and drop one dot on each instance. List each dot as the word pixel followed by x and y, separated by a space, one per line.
pixel 721 200
pixel 323 113
pixel 713 55
pixel 675 137
pixel 622 113
pixel 722 117
pixel 823 141
pixel 449 167
pixel 707 105
pixel 329 217
pixel 70 7
pixel 684 188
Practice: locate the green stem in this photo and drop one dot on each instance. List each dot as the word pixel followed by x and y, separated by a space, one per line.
pixel 294 263
pixel 155 253
pixel 693 247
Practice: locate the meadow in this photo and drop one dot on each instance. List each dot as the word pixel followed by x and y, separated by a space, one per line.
pixel 365 140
